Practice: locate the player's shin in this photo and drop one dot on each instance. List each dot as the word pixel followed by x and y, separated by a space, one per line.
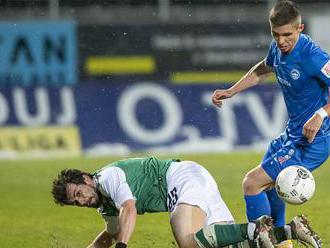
pixel 256 206
pixel 217 235
pixel 277 206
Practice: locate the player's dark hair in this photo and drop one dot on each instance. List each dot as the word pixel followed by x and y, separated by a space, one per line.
pixel 60 183
pixel 284 12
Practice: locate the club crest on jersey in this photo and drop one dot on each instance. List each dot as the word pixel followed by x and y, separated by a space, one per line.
pixel 295 74
pixel 326 69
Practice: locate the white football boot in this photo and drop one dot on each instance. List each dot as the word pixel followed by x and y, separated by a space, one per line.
pixel 263 233
pixel 304 233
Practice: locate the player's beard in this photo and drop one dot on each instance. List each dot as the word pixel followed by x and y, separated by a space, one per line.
pixel 98 202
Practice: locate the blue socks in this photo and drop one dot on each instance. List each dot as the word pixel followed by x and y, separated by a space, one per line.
pixel 277 206
pixel 256 206
pixel 265 203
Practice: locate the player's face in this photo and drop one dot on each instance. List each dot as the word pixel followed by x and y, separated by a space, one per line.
pixel 83 195
pixel 286 36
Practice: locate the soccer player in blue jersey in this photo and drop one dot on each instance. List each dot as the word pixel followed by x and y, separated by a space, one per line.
pixel 302 70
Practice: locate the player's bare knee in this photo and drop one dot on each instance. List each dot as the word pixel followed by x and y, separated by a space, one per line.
pixel 248 185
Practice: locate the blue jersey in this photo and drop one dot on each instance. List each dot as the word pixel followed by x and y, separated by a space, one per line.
pixel 304 77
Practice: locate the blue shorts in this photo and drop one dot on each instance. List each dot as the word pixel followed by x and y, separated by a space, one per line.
pixel 283 152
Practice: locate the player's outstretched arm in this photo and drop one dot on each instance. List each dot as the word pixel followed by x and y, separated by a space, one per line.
pixel 103 240
pixel 127 219
pixel 312 126
pixel 256 74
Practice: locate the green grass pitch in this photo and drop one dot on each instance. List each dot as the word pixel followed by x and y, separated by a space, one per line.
pixel 30 219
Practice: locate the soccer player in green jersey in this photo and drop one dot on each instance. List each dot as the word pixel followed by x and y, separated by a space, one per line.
pixel 199 216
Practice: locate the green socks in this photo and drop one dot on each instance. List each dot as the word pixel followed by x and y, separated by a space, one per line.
pixel 218 235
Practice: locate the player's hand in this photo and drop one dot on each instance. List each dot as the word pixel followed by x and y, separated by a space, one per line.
pixel 312 126
pixel 219 95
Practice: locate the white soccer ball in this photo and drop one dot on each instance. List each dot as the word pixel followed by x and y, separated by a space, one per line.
pixel 295 185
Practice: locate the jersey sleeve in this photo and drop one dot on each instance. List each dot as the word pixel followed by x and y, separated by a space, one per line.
pixel 270 55
pixel 115 185
pixel 319 65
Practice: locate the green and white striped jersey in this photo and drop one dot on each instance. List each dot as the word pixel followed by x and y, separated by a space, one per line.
pixel 141 179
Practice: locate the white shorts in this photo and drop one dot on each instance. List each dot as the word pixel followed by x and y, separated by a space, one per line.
pixel 190 183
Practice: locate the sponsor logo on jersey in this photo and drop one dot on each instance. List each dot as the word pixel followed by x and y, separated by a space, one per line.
pixel 281 160
pixel 291 152
pixel 283 81
pixel 286 157
pixel 295 74
pixel 326 69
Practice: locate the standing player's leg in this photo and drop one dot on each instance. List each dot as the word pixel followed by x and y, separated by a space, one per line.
pixel 254 184
pixel 258 202
pixel 277 207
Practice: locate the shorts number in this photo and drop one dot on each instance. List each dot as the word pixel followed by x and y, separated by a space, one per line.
pixel 172 198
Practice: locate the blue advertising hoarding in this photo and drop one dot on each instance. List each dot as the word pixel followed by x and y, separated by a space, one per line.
pixel 148 116
pixel 35 53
